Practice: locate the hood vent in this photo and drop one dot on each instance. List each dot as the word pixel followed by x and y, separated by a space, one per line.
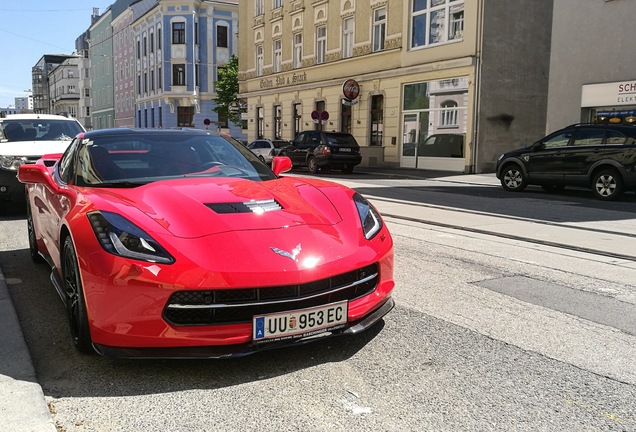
pixel 253 206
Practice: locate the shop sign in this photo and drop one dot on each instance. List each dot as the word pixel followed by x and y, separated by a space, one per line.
pixel 609 94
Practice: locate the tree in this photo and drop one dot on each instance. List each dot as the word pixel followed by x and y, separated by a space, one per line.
pixel 227 88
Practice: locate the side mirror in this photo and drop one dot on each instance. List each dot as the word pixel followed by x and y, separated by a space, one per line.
pixel 35 173
pixel 281 164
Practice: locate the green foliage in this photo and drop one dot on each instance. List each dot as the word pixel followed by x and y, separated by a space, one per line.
pixel 227 88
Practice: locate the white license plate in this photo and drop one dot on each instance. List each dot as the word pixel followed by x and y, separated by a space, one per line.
pixel 345 149
pixel 299 323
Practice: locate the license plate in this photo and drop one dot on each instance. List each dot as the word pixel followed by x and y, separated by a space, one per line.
pixel 299 323
pixel 345 149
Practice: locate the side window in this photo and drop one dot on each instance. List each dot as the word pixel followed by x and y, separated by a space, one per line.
pixel 558 139
pixel 65 167
pixel 299 138
pixel 589 137
pixel 617 138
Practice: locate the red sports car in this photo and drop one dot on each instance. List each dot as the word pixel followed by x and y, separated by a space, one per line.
pixel 181 243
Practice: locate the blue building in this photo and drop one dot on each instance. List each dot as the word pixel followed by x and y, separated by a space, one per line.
pixel 178 48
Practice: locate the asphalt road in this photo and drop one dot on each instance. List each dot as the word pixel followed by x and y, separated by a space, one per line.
pixel 458 352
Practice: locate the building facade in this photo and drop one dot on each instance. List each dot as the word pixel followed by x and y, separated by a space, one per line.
pixel 24 104
pixel 396 73
pixel 591 81
pixel 84 106
pixel 101 71
pixel 178 46
pixel 64 88
pixel 40 81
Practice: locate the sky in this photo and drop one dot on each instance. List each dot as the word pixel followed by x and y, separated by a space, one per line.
pixel 31 28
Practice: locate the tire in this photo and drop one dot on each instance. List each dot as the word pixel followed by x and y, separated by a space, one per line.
pixel 76 304
pixel 607 185
pixel 347 169
pixel 312 165
pixel 513 179
pixel 33 243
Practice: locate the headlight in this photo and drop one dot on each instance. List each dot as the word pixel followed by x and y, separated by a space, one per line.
pixel 119 236
pixel 11 163
pixel 369 216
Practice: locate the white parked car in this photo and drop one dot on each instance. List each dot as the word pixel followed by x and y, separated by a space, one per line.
pixel 266 149
pixel 24 138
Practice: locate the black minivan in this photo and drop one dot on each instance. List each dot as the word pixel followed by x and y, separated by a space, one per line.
pixel 600 156
pixel 324 150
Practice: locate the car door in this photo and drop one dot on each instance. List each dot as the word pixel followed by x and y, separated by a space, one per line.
pixel 585 148
pixel 297 152
pixel 545 162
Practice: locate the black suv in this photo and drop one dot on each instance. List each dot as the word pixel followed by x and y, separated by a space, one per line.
pixel 600 156
pixel 324 150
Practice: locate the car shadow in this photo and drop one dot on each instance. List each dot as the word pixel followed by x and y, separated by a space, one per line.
pixel 64 372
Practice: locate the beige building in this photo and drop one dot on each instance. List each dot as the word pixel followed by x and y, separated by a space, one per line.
pixel 407 78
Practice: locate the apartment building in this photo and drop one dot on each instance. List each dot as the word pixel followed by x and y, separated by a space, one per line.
pixel 178 47
pixel 63 87
pixel 434 84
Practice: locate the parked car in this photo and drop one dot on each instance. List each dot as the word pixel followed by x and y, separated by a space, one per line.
pixel 324 150
pixel 182 243
pixel 599 156
pixel 266 149
pixel 437 145
pixel 24 138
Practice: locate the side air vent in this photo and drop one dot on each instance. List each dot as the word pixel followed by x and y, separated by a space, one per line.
pixel 253 206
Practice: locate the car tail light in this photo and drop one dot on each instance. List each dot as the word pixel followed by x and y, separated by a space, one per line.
pixel 326 150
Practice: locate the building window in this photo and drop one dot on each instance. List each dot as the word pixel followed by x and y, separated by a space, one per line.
pixel 448 114
pixel 160 117
pixel 259 8
pixel 159 38
pixel 297 120
pixel 278 4
pixel 70 74
pixel 196 75
pixel 152 80
pixel 379 29
pixel 185 116
pixel 145 82
pixel 436 22
pixel 278 120
pixel 321 44
pixel 178 33
pixel 178 75
pixel 260 131
pixel 152 42
pixel 221 36
pixel 138 85
pixel 298 50
pixel 87 92
pixel 345 118
pixel 145 46
pixel 159 82
pixel 138 49
pixel 377 119
pixel 196 33
pixel 88 111
pixel 152 117
pixel 347 37
pixel 259 60
pixel 146 117
pixel 278 55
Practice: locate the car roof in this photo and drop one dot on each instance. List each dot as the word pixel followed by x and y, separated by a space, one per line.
pixel 33 116
pixel 140 131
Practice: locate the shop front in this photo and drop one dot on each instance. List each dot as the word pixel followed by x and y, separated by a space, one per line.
pixel 613 103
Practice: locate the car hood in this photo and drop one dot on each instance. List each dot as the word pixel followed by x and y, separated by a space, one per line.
pixel 192 208
pixel 32 148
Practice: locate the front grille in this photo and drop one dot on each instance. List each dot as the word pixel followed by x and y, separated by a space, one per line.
pixel 233 306
pixel 253 206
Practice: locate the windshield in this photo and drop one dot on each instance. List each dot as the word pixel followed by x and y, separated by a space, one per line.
pixel 134 159
pixel 39 130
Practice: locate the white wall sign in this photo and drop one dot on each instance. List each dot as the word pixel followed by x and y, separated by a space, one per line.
pixel 609 94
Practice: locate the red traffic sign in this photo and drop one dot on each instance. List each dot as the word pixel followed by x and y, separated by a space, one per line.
pixel 324 116
pixel 351 89
pixel 315 115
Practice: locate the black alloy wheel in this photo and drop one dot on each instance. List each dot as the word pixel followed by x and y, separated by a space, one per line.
pixel 33 243
pixel 513 179
pixel 312 165
pixel 75 303
pixel 607 185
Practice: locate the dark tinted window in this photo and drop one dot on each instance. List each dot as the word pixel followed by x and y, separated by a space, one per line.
pixel 558 139
pixel 65 166
pixel 589 136
pixel 621 137
pixel 343 139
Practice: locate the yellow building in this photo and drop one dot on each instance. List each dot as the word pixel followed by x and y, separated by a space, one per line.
pixel 404 77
